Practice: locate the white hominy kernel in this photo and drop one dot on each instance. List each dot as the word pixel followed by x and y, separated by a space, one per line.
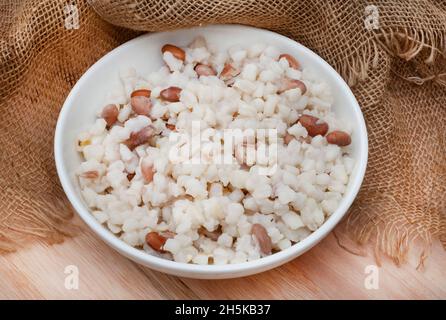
pixel 267 206
pixel 239 257
pixel 249 72
pixel 113 228
pixel 183 226
pixel 245 86
pixel 220 256
pixel 201 259
pixel 157 111
pixel 243 226
pixel 293 95
pixel 172 245
pixel 116 166
pixel 258 93
pixel 301 103
pixel 318 141
pixel 234 212
pixel 195 188
pixel 308 164
pixel 173 63
pixel 126 154
pixel 117 134
pixel 188 98
pixel 329 206
pixel 332 152
pixel 247 110
pixel 293 74
pixel 338 173
pixel 312 216
pixel 336 186
pixel 137 123
pixel 93 152
pixel 267 76
pixel 284 244
pixel 216 190
pixel 290 179
pixel 292 220
pixel 322 179
pixel 89 196
pixel 98 127
pixel 238 55
pixel 276 67
pixel 262 191
pixel 225 240
pixel 285 194
pixel 297 235
pixel 130 224
pixel 238 178
pixel 100 216
pixel 270 105
pixel 298 130
pixel 124 113
pixel 236 196
pixel 270 88
pixel 250 204
pixel 176 107
pixel 284 63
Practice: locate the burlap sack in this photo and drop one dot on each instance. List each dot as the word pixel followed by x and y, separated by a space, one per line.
pixel 391 53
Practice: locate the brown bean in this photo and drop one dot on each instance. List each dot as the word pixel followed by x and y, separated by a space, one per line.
pixel 170 126
pixel 292 62
pixel 262 237
pixel 288 84
pixel 339 138
pixel 110 114
pixel 140 137
pixel 213 235
pixel 147 171
pixel 228 73
pixel 141 92
pixel 287 138
pixel 141 105
pixel 204 70
pixel 314 125
pixel 156 241
pixel 93 174
pixel 171 94
pixel 175 51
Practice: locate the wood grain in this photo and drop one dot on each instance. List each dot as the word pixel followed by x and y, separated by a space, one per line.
pixel 325 272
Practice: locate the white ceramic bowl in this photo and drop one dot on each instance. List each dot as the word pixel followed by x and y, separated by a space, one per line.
pixel 143 53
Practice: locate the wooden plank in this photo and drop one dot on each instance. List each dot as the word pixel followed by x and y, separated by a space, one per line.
pixel 325 272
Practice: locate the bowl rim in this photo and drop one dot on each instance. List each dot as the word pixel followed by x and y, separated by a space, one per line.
pixel 173 267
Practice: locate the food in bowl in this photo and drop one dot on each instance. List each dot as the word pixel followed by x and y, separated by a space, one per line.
pixel 148 181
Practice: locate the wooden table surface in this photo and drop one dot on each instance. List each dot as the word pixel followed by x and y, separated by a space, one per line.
pixel 325 272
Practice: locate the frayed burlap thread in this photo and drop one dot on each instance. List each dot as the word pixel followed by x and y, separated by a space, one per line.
pixel 396 69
